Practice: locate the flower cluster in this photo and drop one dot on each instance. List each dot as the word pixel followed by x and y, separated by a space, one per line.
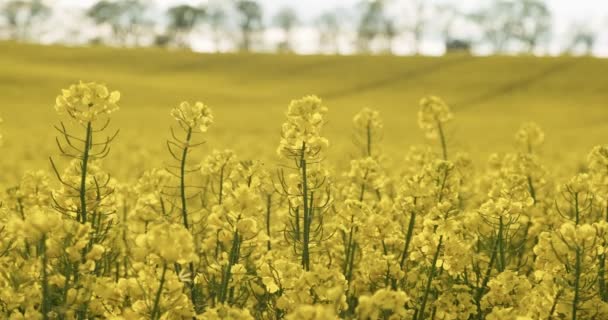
pixel 433 113
pixel 197 116
pixel 87 102
pixel 301 134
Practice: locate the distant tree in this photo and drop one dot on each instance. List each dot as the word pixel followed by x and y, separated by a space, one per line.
pixel 328 26
pixel 390 32
pixel 447 15
pixel 125 18
pixel 250 22
pixel 582 40
pixel 371 24
pixel 497 22
pixel 286 19
pixel 416 21
pixel 216 18
pixel 22 15
pixel 533 22
pixel 182 20
pixel 506 22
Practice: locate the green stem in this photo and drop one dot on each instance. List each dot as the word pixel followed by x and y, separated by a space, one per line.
pixel 369 138
pixel 45 280
pixel 182 179
pixel 83 173
pixel 306 212
pixel 156 307
pixel 427 289
pixel 408 239
pixel 182 189
pixel 232 260
pixel 444 147
pixel 501 247
pixel 577 279
pixel 268 209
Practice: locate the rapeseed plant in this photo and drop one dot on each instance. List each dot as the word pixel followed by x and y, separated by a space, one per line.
pixel 225 237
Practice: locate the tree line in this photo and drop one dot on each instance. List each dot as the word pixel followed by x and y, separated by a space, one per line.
pixel 370 27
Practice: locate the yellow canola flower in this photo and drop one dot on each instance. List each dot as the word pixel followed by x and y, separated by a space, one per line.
pixel 530 135
pixel 368 119
pixel 197 116
pixel 312 312
pixel 382 303
pixel 171 242
pixel 305 119
pixel 432 114
pixel 86 102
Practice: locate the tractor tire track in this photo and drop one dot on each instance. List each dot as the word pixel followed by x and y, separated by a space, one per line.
pixel 513 86
pixel 401 76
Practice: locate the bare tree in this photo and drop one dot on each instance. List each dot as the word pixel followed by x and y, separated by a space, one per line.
pixel 582 39
pixel 390 32
pixel 216 18
pixel 22 15
pixel 286 19
pixel 533 23
pixel 126 19
pixel 416 21
pixel 497 23
pixel 250 22
pixel 371 24
pixel 182 20
pixel 328 26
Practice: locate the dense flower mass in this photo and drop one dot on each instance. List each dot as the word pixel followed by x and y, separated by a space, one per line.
pixel 86 102
pixel 217 236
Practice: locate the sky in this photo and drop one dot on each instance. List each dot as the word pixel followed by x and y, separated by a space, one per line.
pixel 566 13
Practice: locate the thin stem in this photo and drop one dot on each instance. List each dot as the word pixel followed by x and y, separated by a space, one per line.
pixel 444 147
pixel 156 307
pixel 45 280
pixel 83 173
pixel 306 212
pixel 182 178
pixel 268 210
pixel 427 289
pixel 577 279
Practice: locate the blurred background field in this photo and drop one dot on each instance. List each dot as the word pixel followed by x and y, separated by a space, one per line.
pixel 249 93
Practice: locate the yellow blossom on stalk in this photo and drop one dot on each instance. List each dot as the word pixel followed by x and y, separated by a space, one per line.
pixel 530 135
pixel 385 304
pixel 193 116
pixel 1 141
pixel 433 113
pixel 34 189
pixel 86 102
pixel 171 242
pixel 368 118
pixel 507 290
pixel 224 311
pixel 597 159
pixel 312 312
pixel 305 119
pixel 38 223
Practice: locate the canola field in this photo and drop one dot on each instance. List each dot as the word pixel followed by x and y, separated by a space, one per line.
pixel 146 184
